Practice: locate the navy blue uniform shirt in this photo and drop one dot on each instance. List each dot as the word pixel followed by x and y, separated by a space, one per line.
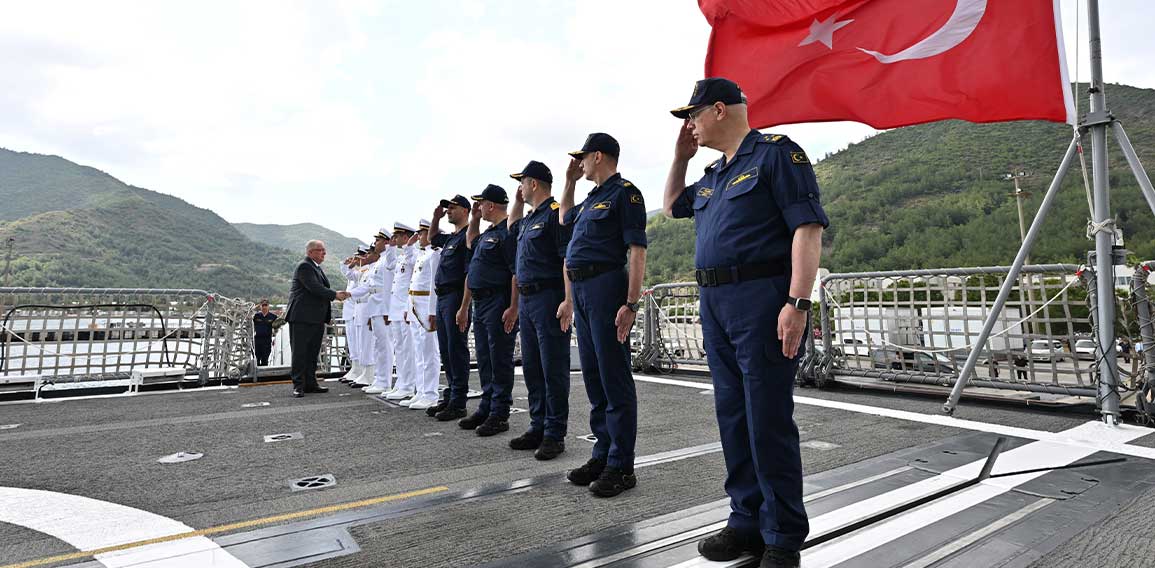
pixel 263 324
pixel 494 258
pixel 454 259
pixel 541 243
pixel 746 211
pixel 612 218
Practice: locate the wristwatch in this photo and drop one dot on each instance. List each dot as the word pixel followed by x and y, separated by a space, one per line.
pixel 801 303
pixel 633 306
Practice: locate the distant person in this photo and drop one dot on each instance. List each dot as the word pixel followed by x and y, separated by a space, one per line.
pixel 1125 349
pixel 309 310
pixel 263 332
pixel 1021 363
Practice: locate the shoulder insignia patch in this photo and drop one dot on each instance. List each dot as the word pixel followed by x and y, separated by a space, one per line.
pixel 555 206
pixel 773 138
pixel 636 199
pixel 705 192
pixel 627 184
pixel 602 205
pixel 799 158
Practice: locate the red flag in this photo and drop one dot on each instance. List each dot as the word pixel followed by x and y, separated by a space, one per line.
pixel 891 63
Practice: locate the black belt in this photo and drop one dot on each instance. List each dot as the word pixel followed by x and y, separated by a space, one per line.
pixel 589 271
pixel 717 276
pixel 534 288
pixel 450 288
pixel 483 293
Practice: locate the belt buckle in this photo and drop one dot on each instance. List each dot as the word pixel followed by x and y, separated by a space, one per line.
pixel 707 277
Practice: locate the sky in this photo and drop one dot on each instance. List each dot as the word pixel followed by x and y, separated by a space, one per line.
pixel 356 114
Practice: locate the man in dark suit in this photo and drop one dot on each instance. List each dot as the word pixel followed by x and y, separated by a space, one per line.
pixel 309 310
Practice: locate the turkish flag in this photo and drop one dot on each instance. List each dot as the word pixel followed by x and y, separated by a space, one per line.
pixel 890 63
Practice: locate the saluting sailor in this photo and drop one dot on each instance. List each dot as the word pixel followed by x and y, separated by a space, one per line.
pixel 378 287
pixel 364 337
pixel 759 229
pixel 608 224
pixel 423 319
pixel 452 309
pixel 404 387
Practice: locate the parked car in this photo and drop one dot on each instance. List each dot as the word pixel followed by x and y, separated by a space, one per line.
pixel 905 359
pixel 1086 349
pixel 1045 349
pixel 855 346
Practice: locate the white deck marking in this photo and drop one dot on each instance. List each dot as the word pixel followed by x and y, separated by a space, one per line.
pixel 949 549
pixel 90 524
pixel 1073 437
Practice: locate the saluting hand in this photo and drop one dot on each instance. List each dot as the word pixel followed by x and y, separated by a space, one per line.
pixel 791 326
pixel 476 210
pixel 565 315
pixel 624 321
pixel 686 146
pixel 573 171
pixel 509 318
pixel 438 213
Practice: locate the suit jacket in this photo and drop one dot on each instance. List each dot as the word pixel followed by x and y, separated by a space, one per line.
pixel 309 295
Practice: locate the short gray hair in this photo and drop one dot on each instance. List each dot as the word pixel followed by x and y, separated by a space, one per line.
pixel 313 244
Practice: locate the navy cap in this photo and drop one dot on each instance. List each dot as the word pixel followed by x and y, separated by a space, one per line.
pixel 535 170
pixel 494 193
pixel 598 142
pixel 457 200
pixel 709 91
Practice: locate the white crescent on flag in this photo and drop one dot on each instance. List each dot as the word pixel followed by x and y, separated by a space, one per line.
pixel 962 22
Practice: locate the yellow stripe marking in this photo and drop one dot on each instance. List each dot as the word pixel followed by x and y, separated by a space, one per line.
pixel 229 527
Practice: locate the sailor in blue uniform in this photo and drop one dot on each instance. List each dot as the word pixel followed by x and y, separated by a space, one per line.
pixel 608 224
pixel 489 285
pixel 759 229
pixel 450 288
pixel 545 340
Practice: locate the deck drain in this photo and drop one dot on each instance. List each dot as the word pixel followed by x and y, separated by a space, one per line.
pixel 819 445
pixel 283 437
pixel 516 410
pixel 9 426
pixel 313 482
pixel 255 404
pixel 589 438
pixel 181 457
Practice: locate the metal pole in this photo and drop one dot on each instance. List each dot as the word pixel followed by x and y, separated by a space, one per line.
pixel 1136 166
pixel 8 260
pixel 1012 276
pixel 1099 118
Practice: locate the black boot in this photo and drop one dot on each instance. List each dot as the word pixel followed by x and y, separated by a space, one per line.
pixel 729 544
pixel 612 482
pixel 527 441
pixel 587 473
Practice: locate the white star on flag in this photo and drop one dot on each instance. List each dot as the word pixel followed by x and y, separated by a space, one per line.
pixel 824 31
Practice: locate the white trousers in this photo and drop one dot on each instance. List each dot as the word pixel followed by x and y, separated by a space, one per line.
pixel 367 349
pixel 425 346
pixel 403 355
pixel 353 340
pixel 383 347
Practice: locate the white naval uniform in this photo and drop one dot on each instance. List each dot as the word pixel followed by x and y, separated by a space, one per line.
pixel 377 288
pixel 349 314
pixel 365 349
pixel 399 328
pixel 422 306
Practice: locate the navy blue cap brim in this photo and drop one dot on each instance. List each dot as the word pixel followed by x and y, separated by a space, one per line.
pixel 684 111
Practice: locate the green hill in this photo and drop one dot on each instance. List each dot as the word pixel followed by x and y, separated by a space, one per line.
pixel 77 226
pixel 294 237
pixel 932 196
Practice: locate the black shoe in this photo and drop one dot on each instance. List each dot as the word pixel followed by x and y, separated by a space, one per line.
pixel 587 473
pixel 433 410
pixel 729 544
pixel 612 482
pixel 549 449
pixel 318 390
pixel 775 557
pixel 450 413
pixel 527 441
pixel 474 420
pixel 493 426
pixel 298 393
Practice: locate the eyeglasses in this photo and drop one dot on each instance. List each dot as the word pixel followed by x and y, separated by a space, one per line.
pixel 694 114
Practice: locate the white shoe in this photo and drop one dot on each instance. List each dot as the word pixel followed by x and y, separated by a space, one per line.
pixel 399 394
pixel 423 402
pixel 366 377
pixel 372 389
pixel 408 401
pixel 354 370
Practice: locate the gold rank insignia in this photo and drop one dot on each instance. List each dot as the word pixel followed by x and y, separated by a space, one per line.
pixel 602 205
pixel 555 206
pixel 799 158
pixel 745 176
pixel 627 184
pixel 705 192
pixel 636 199
pixel 775 138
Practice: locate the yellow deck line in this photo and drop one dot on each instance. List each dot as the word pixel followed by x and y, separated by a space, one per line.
pixel 229 527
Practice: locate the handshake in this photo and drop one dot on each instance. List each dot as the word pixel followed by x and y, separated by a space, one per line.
pixel 343 295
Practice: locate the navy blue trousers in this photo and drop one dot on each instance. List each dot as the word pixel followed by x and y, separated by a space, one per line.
pixel 494 354
pixel 605 366
pixel 545 360
pixel 753 398
pixel 454 347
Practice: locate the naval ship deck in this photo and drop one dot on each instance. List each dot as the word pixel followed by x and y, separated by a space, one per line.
pixel 411 491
